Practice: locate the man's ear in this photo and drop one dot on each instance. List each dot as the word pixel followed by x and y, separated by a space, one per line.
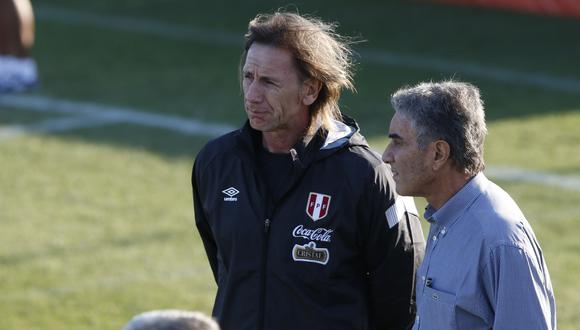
pixel 310 90
pixel 441 153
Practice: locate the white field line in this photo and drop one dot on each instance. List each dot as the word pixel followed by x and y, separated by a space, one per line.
pixel 128 24
pixel 104 283
pixel 98 114
pixel 52 125
pixel 388 59
pixel 538 177
pixel 540 80
pixel 94 114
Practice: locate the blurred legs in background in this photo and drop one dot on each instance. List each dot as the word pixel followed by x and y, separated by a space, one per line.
pixel 17 69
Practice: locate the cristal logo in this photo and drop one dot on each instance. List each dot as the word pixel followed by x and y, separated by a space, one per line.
pixel 231 192
pixel 310 253
pixel 318 234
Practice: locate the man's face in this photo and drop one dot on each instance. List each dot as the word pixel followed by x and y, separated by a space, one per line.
pixel 273 90
pixel 410 165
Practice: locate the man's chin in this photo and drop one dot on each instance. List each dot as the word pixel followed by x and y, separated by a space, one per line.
pixel 262 126
pixel 402 191
pixel 258 125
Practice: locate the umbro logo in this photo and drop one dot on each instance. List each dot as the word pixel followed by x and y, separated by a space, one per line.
pixel 230 193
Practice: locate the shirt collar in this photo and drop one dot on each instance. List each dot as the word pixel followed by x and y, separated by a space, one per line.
pixel 458 203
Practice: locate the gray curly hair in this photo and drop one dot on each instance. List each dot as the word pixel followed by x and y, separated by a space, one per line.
pixel 171 319
pixel 451 111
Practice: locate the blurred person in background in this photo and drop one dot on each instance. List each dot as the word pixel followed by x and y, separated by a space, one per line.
pixel 299 218
pixel 483 268
pixel 171 320
pixel 17 68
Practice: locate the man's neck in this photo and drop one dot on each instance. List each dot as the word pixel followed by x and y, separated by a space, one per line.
pixel 446 187
pixel 281 141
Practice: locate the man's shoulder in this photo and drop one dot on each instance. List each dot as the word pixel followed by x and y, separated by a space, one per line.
pixel 362 167
pixel 218 147
pixel 362 155
pixel 499 217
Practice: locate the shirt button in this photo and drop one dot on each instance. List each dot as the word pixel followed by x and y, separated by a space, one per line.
pixel 417 318
pixel 434 238
pixel 443 231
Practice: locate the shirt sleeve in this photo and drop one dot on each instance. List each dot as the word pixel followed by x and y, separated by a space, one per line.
pixel 520 289
pixel 393 252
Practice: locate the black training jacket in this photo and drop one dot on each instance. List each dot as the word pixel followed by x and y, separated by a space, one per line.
pixel 338 250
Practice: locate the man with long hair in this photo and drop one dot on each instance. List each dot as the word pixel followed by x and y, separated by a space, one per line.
pixel 299 218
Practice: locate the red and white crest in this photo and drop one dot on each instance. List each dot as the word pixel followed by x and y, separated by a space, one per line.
pixel 317 206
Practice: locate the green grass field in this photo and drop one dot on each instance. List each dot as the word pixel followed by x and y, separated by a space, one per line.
pixel 97 222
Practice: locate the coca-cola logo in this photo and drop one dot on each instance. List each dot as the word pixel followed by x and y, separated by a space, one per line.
pixel 318 234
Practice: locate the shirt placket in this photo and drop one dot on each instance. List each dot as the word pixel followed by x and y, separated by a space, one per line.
pixel 435 235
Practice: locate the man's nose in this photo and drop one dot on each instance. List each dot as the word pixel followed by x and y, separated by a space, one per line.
pixel 253 93
pixel 388 155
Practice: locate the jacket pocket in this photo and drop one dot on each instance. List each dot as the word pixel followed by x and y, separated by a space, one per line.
pixel 438 310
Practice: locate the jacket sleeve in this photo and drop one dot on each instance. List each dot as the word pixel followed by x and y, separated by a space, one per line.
pixel 201 222
pixel 394 248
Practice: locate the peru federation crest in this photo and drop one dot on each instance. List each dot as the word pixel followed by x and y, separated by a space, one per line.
pixel 317 205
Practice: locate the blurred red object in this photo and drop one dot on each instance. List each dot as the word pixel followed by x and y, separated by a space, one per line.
pixel 568 8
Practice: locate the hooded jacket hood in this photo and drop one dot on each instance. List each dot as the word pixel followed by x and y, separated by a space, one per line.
pixel 324 143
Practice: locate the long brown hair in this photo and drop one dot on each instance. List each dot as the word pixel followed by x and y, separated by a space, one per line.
pixel 319 54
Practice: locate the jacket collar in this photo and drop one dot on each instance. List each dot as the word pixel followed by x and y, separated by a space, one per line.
pixel 323 143
pixel 338 135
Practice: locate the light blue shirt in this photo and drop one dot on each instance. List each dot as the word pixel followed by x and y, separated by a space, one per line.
pixel 483 266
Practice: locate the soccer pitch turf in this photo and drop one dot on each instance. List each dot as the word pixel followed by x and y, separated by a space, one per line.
pixel 95 206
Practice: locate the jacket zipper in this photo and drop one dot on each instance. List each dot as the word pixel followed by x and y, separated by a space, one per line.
pixel 267 224
pixel 264 268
